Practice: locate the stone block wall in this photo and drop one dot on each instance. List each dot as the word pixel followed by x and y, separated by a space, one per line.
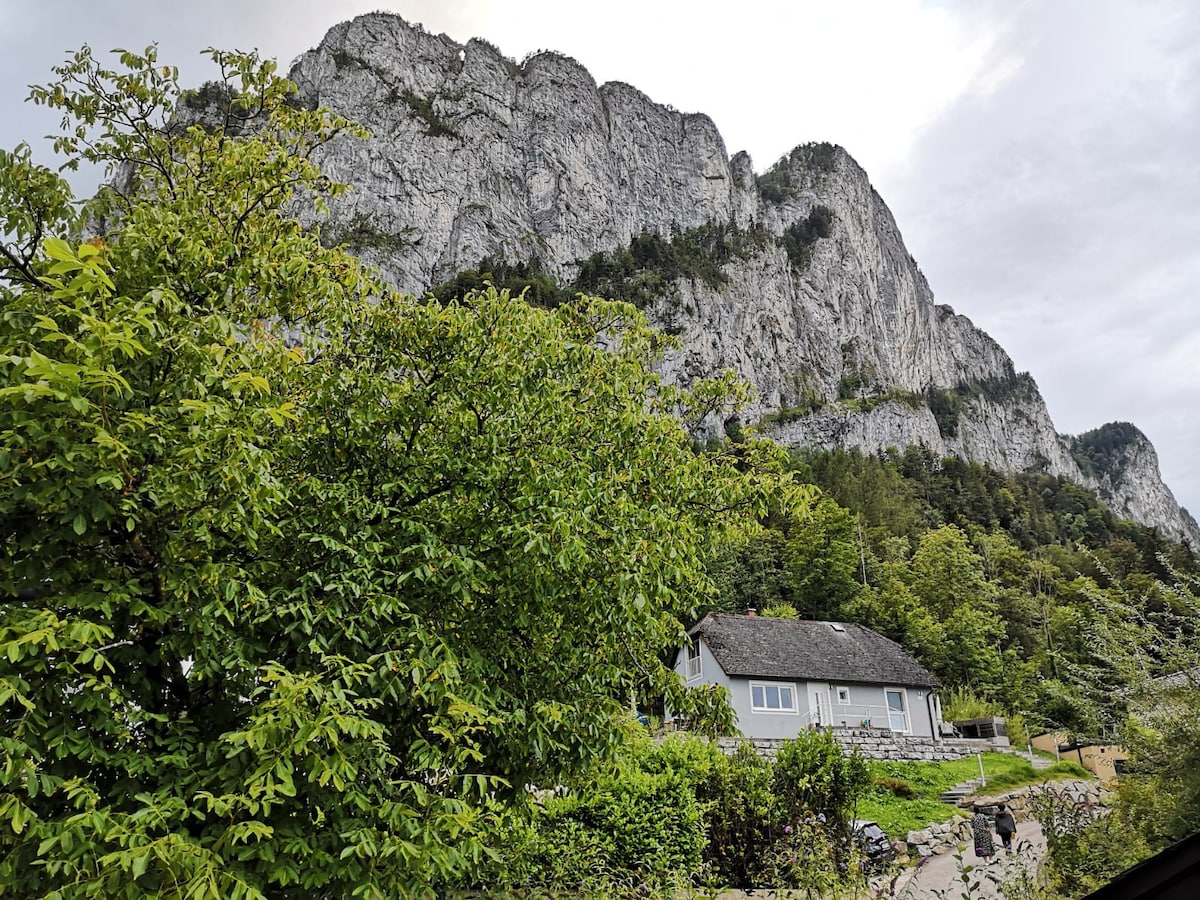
pixel 877 744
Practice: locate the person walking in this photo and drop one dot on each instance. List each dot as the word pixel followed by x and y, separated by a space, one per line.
pixel 981 830
pixel 1006 826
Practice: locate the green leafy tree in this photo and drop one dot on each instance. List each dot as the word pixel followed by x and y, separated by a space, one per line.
pixel 890 606
pixel 752 572
pixel 1159 659
pixel 947 573
pixel 823 559
pixel 303 580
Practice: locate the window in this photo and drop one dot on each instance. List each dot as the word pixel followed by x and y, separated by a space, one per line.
pixel 693 661
pixel 897 711
pixel 843 695
pixel 766 697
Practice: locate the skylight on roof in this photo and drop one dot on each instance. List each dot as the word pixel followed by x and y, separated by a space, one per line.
pixel 837 627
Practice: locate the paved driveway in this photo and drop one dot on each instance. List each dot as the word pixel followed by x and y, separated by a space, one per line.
pixel 942 876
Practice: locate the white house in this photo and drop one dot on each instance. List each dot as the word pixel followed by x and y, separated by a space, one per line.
pixel 787 675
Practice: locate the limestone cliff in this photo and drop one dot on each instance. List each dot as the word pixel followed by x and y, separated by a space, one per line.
pixel 819 305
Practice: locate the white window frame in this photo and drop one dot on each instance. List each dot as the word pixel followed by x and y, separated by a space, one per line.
pixel 693 666
pixel 793 710
pixel 843 691
pixel 905 711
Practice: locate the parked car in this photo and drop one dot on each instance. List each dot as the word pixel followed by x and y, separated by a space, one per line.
pixel 876 846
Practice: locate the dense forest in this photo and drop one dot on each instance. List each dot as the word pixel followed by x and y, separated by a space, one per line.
pixel 1022 589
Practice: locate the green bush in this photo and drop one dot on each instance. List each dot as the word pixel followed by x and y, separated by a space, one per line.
pixel 641 829
pixel 740 816
pixel 1088 845
pixel 1066 769
pixel 634 827
pixel 799 238
pixel 645 269
pixel 812 775
pixel 780 611
pixel 776 185
pixel 756 806
pixel 528 279
pixel 810 857
pixel 678 813
pixel 962 703
pixel 899 788
pixel 422 108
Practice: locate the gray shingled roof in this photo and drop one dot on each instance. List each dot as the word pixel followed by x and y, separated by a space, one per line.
pixel 758 647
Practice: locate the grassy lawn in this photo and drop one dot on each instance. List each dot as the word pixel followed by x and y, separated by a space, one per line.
pixel 897 815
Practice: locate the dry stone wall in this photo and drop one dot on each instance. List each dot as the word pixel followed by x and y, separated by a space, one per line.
pixel 876 744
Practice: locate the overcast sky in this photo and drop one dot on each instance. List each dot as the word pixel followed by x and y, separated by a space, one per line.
pixel 1042 158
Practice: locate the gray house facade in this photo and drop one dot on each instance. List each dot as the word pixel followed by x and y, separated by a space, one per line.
pixel 785 676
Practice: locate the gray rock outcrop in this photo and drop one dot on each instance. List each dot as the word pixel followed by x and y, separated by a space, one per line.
pixel 473 155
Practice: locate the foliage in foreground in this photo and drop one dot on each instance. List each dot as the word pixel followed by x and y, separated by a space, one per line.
pixel 680 815
pixel 304 582
pixel 1088 845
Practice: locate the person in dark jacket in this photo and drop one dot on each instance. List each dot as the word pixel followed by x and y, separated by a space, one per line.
pixel 1006 826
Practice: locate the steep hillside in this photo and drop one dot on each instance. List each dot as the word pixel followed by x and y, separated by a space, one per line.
pixel 476 158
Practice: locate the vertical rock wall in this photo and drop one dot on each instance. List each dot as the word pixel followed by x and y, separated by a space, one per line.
pixel 473 155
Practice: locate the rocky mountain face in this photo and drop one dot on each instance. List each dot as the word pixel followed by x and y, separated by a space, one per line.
pixel 808 292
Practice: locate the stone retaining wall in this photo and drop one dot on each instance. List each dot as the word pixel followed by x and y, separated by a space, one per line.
pixel 878 744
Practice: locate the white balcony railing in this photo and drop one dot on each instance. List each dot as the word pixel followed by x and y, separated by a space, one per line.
pixel 864 716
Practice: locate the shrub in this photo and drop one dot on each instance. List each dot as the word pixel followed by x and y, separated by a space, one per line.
pixel 1018 731
pixel 781 611
pixel 681 812
pixel 799 238
pixel 899 788
pixel 636 826
pixel 754 807
pixel 776 185
pixel 740 816
pixel 962 703
pixel 809 857
pixel 1088 844
pixel 641 828
pixel 812 775
pixel 422 108
pixel 362 233
pixel 1064 768
pixel 645 269
pixel 946 407
pixel 527 279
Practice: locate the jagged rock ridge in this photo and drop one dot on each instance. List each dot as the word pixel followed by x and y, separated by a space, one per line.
pixel 473 155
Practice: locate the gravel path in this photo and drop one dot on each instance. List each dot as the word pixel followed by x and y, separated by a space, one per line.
pixel 941 877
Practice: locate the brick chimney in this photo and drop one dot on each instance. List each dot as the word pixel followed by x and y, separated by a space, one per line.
pixel 751 612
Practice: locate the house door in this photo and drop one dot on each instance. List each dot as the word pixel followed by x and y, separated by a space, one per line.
pixel 897 711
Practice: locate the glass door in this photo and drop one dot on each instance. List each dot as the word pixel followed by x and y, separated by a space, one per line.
pixel 897 712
